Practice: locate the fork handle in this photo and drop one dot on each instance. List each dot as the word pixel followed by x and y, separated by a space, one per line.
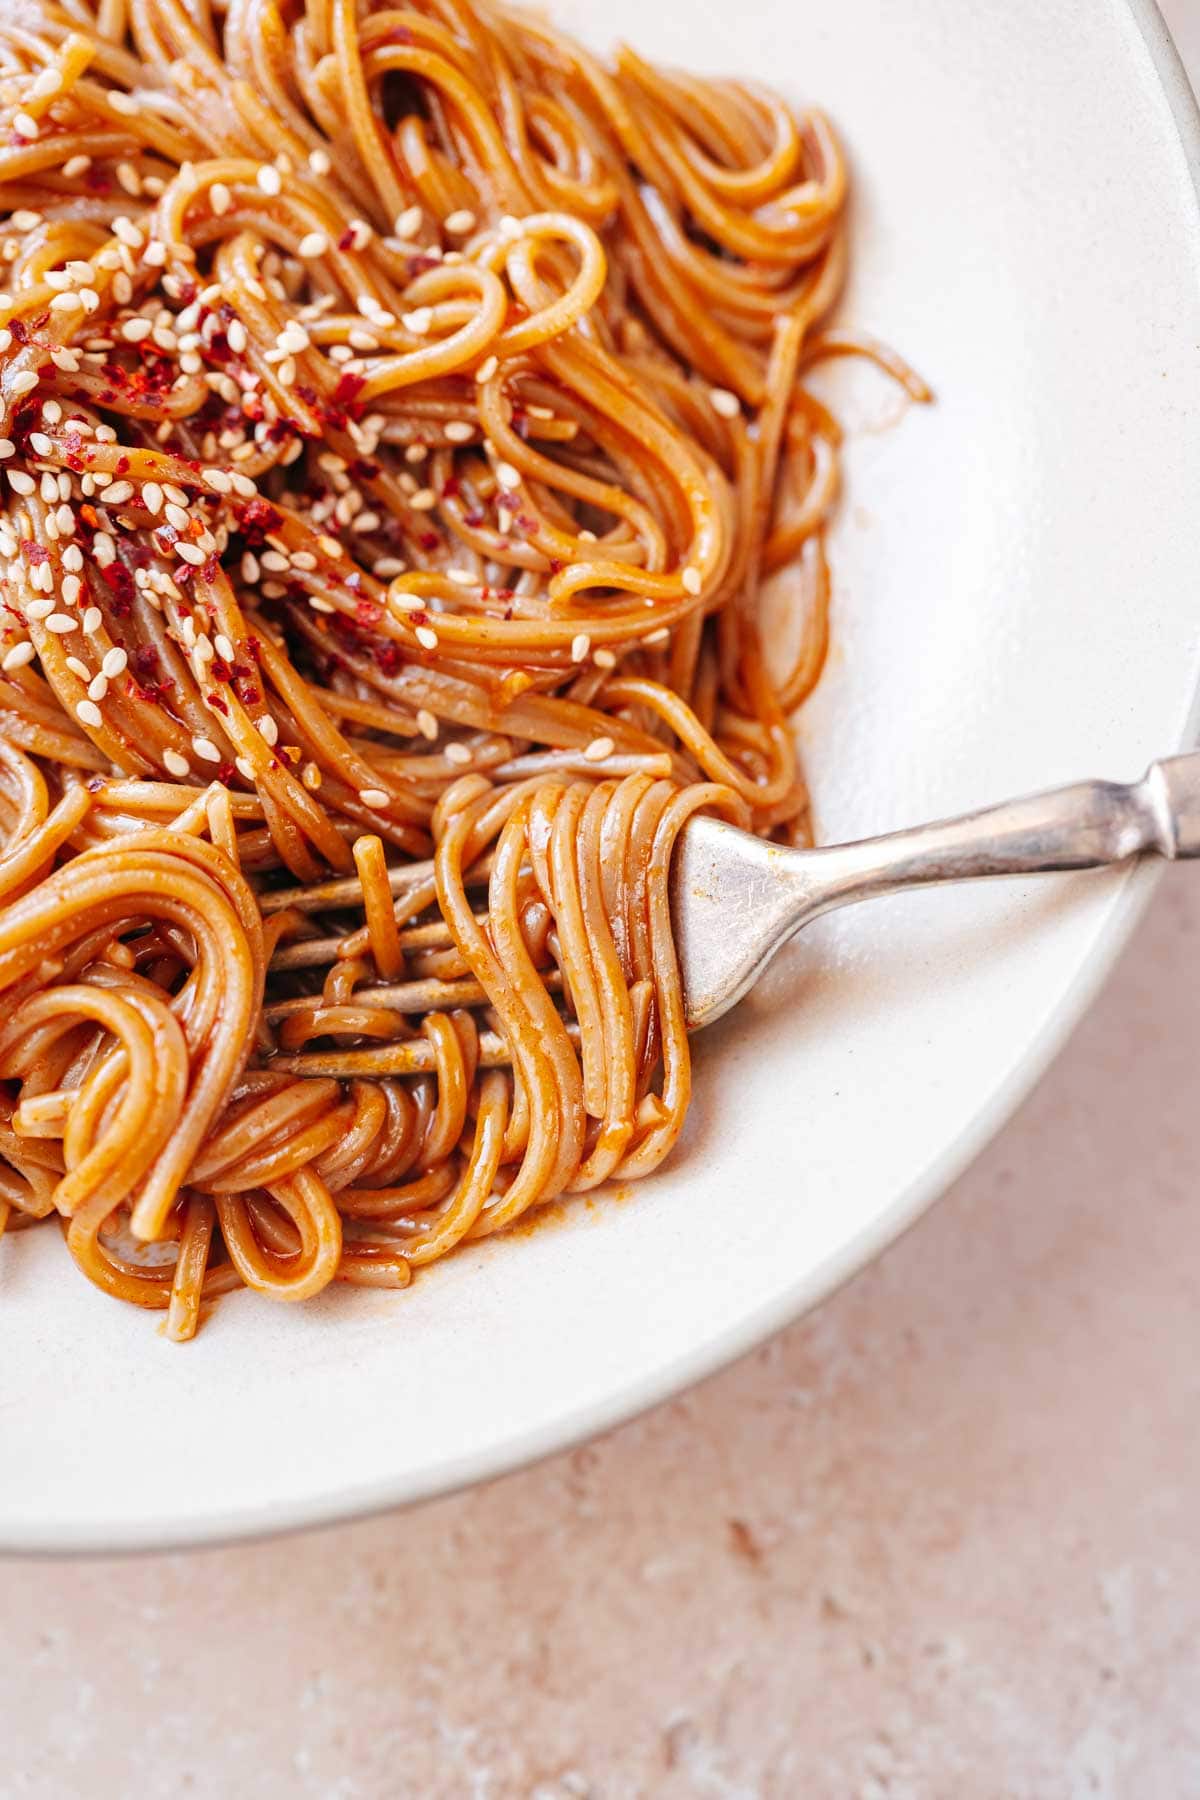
pixel 1085 826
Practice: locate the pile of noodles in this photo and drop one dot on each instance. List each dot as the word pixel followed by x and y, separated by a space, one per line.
pixel 400 411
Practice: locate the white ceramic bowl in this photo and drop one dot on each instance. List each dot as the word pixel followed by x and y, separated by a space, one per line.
pixel 1016 604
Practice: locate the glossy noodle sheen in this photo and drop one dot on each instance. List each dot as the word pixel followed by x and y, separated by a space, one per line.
pixel 400 411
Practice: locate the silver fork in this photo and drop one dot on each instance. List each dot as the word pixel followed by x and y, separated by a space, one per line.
pixel 736 900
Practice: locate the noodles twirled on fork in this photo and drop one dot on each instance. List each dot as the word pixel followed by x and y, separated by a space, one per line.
pixel 401 412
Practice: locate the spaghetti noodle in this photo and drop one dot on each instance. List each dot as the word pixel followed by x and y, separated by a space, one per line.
pixel 400 411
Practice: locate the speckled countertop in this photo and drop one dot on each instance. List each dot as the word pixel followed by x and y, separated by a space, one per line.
pixel 940 1541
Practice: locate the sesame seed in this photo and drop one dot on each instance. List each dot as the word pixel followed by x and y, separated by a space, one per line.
pixel 427 725
pixel 313 243
pixel 191 553
pixel 61 623
pixel 176 515
pixel 487 368
pixel 152 497
pixel 458 753
pixel 51 411
pixel 134 330
pixel 93 619
pixel 604 659
pixel 176 764
pixel 510 227
pixel 217 480
pixel 24 126
pixel 418 321
pixel 461 577
pixel 424 500
pixel 460 222
pixel 76 165
pixel 20 482
pixel 406 602
pixel 72 587
pixel 115 662
pixel 129 179
pixel 373 796
pixel 90 299
pixel 268 730
pixel 580 645
pixel 360 234
pixel 63 303
pixel 88 713
pixel 658 636
pixel 268 179
pixel 206 750
pixel 320 605
pixel 273 560
pixel 18 656
pixel 599 749
pixel 329 546
pixel 7 448
pixel 508 477
pixel 310 775
pixel 427 638
pixel 219 198
pixel 79 667
pixel 235 337
pixel 250 570
pixel 122 103
pixel 319 162
pixel 459 431
pixel 48 82
pixel 416 453
pixel 117 492
pixel 40 443
pixel 155 253
pixel 409 222
pixel 6 339
pixel 25 220
pixel 98 687
pixel 73 558
pixel 127 232
pixel 39 609
pixel 725 403
pixel 24 382
pixel 692 580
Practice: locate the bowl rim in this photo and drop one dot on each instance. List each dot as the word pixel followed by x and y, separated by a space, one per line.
pixel 341 1505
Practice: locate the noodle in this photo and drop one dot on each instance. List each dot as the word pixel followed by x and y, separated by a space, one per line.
pixel 400 411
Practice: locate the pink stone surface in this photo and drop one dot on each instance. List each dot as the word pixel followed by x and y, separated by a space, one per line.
pixel 939 1541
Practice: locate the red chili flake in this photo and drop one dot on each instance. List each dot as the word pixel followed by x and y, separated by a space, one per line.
pixel 420 617
pixel 556 565
pixel 98 182
pixel 145 661
pixel 187 293
pixel 429 541
pixel 387 655
pixel 452 488
pixel 421 265
pixel 20 331
pixel 307 394
pixel 33 552
pixel 184 575
pixel 119 581
pixel 349 387
pixel 254 647
pixel 399 34
pixel 217 348
pixel 354 581
pixel 216 702
pixel 474 518
pixel 256 518
pixel 362 470
pixel 368 612
pixel 346 241
pixel 220 670
pixel 122 465
pixel 208 570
